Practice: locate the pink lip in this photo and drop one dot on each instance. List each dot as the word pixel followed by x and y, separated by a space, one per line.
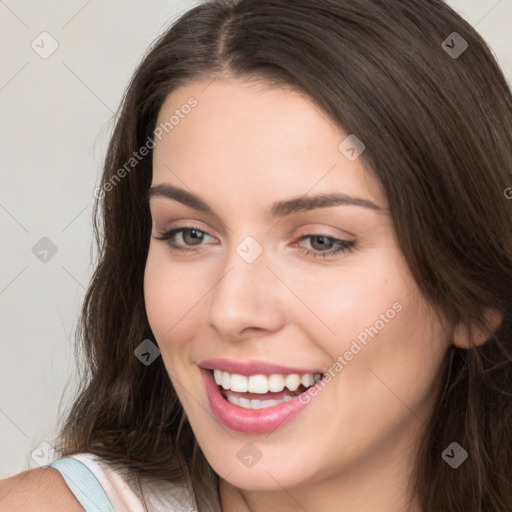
pixel 251 421
pixel 251 367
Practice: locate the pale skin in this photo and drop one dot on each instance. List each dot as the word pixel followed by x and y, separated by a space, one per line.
pixel 244 147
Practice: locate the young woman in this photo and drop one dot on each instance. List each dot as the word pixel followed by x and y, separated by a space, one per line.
pixel 303 295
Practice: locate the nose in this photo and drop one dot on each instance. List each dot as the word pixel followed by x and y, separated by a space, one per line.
pixel 245 299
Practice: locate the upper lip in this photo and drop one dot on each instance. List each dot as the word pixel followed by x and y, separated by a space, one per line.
pixel 248 368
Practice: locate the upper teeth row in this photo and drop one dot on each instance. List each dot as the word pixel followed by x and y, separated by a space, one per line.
pixel 263 383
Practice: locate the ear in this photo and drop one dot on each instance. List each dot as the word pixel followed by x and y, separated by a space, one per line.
pixel 461 334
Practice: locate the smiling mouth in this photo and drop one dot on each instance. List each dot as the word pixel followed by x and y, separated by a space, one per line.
pixel 262 391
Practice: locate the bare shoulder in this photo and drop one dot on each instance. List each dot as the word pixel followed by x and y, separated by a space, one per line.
pixel 41 489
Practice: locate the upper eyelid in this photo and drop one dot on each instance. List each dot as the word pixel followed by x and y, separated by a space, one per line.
pixel 316 231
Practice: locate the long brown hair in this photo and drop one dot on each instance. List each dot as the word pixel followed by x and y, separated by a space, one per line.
pixel 436 120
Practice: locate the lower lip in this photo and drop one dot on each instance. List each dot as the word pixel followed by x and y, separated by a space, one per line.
pixel 253 421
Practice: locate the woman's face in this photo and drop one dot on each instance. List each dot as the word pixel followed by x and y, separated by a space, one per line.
pixel 303 288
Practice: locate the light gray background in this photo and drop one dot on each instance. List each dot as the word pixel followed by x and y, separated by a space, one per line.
pixel 55 123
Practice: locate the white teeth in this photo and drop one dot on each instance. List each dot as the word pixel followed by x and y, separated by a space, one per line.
pixel 233 399
pixel 258 384
pixel 243 402
pixel 292 381
pixel 276 383
pixel 226 380
pixel 238 383
pixel 256 404
pixel 262 384
pixel 307 380
pixel 217 374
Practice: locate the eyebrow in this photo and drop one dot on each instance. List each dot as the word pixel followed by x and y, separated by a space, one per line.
pixel 278 209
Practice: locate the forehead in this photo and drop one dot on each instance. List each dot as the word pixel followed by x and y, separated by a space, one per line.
pixel 257 137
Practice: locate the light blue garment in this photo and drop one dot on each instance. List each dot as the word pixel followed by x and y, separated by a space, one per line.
pixel 84 485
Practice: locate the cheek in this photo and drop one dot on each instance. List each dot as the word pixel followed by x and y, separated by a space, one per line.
pixel 390 360
pixel 343 303
pixel 169 301
pixel 162 284
pixel 373 318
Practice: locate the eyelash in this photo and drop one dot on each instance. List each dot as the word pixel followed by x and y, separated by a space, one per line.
pixel 344 246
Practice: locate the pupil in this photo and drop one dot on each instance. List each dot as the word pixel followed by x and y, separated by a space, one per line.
pixel 325 239
pixel 196 237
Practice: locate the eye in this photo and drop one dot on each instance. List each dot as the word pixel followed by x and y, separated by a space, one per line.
pixel 325 245
pixel 190 235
